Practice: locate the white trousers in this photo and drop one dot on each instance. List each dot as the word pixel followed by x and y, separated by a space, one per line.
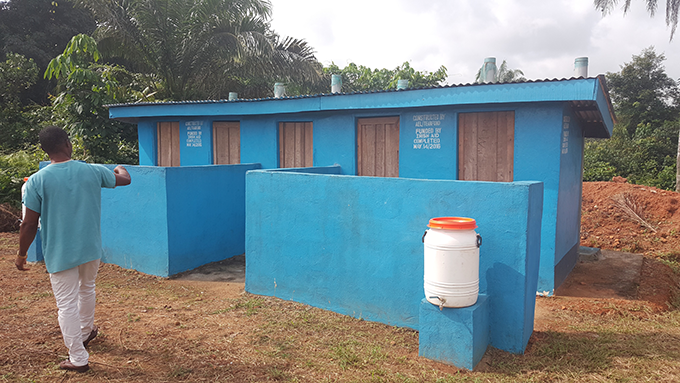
pixel 74 292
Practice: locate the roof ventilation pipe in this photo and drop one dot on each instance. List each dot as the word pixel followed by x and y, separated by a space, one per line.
pixel 233 96
pixel 581 67
pixel 279 89
pixel 336 83
pixel 488 73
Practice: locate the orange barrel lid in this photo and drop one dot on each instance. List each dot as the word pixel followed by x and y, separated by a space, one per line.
pixel 453 223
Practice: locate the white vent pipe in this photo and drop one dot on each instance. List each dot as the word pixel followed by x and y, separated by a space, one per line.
pixel 336 83
pixel 581 67
pixel 279 89
pixel 488 70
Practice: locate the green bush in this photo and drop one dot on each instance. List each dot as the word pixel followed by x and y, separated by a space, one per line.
pixel 13 168
pixel 647 158
pixel 599 171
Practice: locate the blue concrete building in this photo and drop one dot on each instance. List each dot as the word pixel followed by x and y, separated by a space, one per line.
pixel 329 196
pixel 528 131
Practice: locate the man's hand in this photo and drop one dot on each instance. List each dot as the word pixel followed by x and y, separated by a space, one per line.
pixel 122 176
pixel 20 262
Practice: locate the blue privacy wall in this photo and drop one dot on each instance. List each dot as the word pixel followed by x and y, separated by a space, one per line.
pixel 568 224
pixel 135 224
pixel 170 220
pixel 353 244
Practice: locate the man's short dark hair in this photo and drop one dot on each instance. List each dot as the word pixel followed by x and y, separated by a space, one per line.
pixel 52 139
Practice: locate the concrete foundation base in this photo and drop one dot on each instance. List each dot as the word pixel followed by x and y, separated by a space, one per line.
pixel 457 336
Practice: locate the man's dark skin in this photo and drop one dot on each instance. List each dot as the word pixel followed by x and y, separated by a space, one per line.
pixel 29 225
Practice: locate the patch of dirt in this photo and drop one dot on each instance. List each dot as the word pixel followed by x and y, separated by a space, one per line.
pixel 605 225
pixel 9 218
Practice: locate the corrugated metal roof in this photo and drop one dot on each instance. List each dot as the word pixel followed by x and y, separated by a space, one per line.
pixel 593 109
pixel 337 94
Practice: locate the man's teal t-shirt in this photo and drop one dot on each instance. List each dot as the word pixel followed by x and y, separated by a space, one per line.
pixel 67 195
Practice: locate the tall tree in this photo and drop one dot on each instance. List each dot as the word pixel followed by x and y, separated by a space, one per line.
pixel 16 128
pixel 672 9
pixel 40 30
pixel 643 145
pixel 643 93
pixel 197 46
pixel 85 86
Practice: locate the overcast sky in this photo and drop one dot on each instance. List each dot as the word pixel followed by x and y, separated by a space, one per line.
pixel 540 37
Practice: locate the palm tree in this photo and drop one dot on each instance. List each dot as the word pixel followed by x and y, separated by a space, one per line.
pixel 503 74
pixel 672 9
pixel 199 47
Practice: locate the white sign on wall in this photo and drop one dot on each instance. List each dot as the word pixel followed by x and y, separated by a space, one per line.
pixel 428 130
pixel 565 134
pixel 194 133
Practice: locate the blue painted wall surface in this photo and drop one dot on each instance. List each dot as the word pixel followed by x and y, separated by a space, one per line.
pixel 195 142
pixel 135 224
pixel 428 150
pixel 147 138
pixel 206 214
pixel 170 220
pixel 260 141
pixel 568 223
pixel 538 140
pixel 353 244
pixel 334 138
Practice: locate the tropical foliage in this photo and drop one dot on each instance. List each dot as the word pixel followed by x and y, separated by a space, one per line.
pixel 13 168
pixel 200 49
pixel 39 30
pixel 359 78
pixel 85 87
pixel 17 74
pixel 672 10
pixel 645 139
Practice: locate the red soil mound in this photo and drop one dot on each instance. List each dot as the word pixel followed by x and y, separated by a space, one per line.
pixel 605 225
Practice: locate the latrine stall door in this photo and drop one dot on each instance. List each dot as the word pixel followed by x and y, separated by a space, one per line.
pixel 486 146
pixel 295 145
pixel 168 143
pixel 226 143
pixel 378 147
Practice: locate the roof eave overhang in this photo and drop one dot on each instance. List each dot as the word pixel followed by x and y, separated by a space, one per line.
pixel 582 92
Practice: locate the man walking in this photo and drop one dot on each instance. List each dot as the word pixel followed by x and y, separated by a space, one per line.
pixel 66 197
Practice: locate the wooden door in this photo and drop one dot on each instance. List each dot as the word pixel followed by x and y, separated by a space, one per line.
pixel 168 143
pixel 486 144
pixel 295 145
pixel 226 143
pixel 378 147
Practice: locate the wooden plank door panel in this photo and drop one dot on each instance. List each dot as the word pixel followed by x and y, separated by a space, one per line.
pixel 296 148
pixel 226 142
pixel 378 147
pixel 168 143
pixel 486 146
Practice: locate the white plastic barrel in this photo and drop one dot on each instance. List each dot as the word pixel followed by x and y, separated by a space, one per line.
pixel 452 262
